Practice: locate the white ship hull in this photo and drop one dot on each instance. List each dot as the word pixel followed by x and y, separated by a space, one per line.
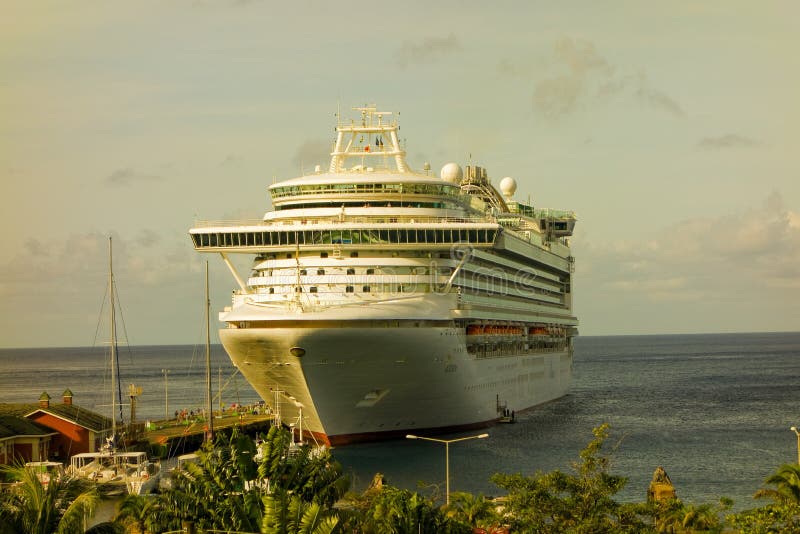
pixel 381 377
pixel 358 384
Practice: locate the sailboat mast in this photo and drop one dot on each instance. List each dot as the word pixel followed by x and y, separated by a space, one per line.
pixel 210 432
pixel 113 342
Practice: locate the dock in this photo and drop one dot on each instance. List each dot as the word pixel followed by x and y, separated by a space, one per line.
pixel 166 439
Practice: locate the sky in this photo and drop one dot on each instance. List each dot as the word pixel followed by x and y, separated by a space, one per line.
pixel 670 128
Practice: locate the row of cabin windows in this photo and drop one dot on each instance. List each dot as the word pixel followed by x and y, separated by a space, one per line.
pixel 381 188
pixel 304 272
pixel 361 204
pixel 289 256
pixel 400 236
pixel 347 289
pixel 351 270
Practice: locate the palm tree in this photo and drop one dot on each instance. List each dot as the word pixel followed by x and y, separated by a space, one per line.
pixel 61 505
pixel 472 510
pixel 136 514
pixel 226 489
pixel 309 472
pixel 286 513
pixel 215 492
pixel 389 510
pixel 691 518
pixel 787 485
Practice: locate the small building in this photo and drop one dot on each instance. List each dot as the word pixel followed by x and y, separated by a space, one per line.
pixel 75 429
pixel 22 440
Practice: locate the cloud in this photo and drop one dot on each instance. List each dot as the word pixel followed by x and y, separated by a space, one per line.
pixel 429 49
pixel 580 56
pixel 159 278
pixel 147 238
pixel 560 94
pixel 581 76
pixel 730 140
pixel 734 272
pixel 556 97
pixel 638 87
pixel 34 247
pixel 129 176
pixel 84 259
pixel 657 99
pixel 739 256
pixel 312 152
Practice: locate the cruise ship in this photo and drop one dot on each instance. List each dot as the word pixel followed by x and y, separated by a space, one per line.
pixel 383 301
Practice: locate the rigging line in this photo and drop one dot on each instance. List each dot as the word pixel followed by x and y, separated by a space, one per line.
pixel 127 344
pixel 233 375
pixel 97 333
pixel 126 341
pixel 100 317
pixel 225 385
pixel 94 344
pixel 114 350
pixel 195 347
pixel 118 385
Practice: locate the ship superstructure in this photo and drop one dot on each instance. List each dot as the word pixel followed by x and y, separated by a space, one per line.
pixel 382 300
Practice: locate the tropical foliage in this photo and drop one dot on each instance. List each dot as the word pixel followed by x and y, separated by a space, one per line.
pixel 301 490
pixel 234 486
pixel 783 514
pixel 475 511
pixel 286 513
pixel 571 502
pixel 213 492
pixel 786 482
pixel 61 504
pixel 309 472
pixel 385 509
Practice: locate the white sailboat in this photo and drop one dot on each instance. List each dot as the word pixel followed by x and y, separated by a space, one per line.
pixel 119 471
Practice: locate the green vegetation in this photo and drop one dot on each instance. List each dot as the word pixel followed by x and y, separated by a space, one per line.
pixel 302 490
pixel 58 505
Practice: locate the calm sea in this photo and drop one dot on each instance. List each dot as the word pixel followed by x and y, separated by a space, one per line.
pixel 713 410
pixel 171 377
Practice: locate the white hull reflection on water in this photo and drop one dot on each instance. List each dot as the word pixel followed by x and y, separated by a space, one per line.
pixel 713 410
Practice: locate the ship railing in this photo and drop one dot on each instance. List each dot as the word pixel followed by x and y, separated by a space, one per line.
pixel 346 220
pixel 355 188
pixel 198 223
pixel 549 213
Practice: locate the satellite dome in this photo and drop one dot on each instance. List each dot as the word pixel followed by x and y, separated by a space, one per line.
pixel 452 172
pixel 508 186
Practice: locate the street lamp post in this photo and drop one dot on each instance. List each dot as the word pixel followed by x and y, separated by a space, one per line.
pixel 166 395
pixel 797 433
pixel 447 443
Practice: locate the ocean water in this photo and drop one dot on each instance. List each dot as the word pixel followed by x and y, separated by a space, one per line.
pixel 713 410
pixel 86 371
